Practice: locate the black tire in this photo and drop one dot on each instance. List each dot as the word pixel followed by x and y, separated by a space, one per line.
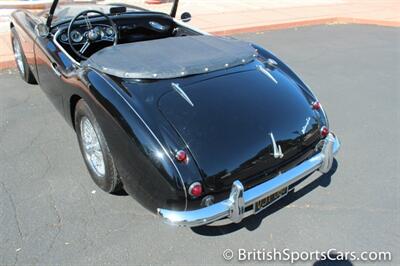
pixel 109 180
pixel 23 69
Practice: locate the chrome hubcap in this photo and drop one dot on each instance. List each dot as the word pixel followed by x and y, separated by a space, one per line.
pixel 91 147
pixel 18 56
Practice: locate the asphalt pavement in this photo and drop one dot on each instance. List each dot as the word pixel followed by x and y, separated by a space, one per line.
pixel 51 213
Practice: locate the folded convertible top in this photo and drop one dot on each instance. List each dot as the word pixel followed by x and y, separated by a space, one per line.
pixel 172 57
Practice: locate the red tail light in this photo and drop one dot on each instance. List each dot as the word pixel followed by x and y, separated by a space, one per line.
pixel 316 105
pixel 195 189
pixel 324 131
pixel 181 156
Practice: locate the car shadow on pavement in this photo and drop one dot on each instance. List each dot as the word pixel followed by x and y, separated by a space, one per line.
pixel 333 260
pixel 254 221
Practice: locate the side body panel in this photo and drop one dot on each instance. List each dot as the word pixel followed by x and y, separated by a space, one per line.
pixel 24 23
pixel 55 72
pixel 144 163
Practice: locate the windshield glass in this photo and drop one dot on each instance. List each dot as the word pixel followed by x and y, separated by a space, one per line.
pixel 66 10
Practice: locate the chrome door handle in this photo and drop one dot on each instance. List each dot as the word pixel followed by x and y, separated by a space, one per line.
pixel 54 66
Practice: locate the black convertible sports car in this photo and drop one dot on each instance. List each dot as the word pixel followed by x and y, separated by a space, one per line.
pixel 196 127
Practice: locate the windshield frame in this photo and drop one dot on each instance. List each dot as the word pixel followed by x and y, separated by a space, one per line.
pixel 54 5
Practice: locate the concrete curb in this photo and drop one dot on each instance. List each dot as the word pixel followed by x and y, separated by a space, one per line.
pixel 310 22
pixel 8 63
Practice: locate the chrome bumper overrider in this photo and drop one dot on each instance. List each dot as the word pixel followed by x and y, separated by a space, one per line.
pixel 234 207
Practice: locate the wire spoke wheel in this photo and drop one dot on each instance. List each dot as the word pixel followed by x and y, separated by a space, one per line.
pixel 18 56
pixel 91 147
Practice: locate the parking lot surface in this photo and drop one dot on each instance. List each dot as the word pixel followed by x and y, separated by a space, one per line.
pixel 51 213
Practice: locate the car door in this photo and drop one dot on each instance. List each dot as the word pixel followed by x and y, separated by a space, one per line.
pixel 54 69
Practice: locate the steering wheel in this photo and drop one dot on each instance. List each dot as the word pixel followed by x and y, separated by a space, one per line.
pixel 92 33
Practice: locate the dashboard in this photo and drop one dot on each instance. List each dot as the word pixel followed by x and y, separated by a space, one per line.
pixel 80 35
pixel 131 27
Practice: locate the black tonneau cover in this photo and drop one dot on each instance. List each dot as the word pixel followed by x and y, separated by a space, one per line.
pixel 171 57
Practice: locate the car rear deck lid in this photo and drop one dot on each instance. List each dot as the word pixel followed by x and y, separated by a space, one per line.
pixel 242 123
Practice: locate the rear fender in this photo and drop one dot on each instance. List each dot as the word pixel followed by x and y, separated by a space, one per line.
pixel 146 170
pixel 285 68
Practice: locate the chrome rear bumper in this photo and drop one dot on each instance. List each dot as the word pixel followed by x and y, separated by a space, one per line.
pixel 234 207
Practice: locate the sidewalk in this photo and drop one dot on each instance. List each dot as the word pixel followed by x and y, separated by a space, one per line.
pixel 225 17
pixel 235 16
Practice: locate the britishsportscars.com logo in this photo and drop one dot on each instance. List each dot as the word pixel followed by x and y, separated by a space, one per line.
pixel 293 256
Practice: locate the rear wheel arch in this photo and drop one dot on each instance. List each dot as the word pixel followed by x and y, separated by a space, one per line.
pixel 107 179
pixel 74 99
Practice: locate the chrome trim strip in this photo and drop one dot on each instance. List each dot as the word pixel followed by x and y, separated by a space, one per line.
pixel 178 89
pixel 62 49
pixel 151 132
pixel 266 72
pixel 157 26
pixel 272 63
pixel 233 207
